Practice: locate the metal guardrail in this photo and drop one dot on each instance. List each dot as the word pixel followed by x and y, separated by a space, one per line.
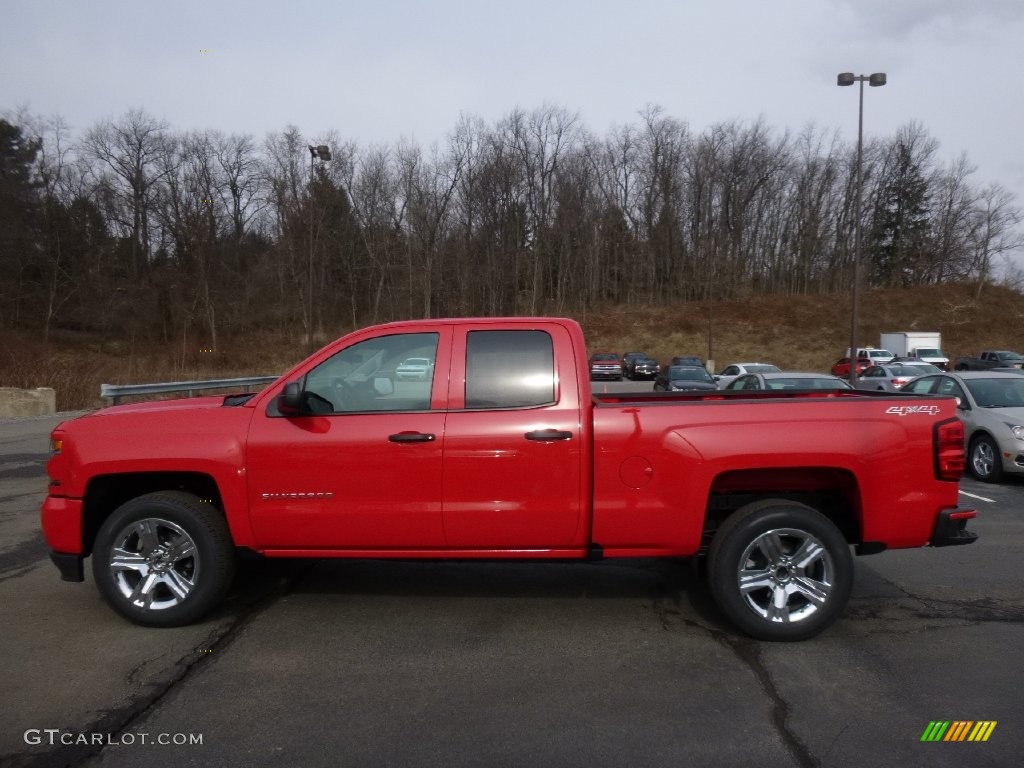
pixel 114 392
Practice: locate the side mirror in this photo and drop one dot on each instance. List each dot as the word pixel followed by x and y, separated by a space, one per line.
pixel 289 402
pixel 383 386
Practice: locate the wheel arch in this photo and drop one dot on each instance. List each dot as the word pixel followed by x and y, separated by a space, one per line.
pixel 105 493
pixel 832 491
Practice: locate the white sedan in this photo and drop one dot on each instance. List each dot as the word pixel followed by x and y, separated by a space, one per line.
pixel 730 372
pixel 417 368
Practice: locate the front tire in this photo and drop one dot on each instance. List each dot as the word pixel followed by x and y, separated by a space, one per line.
pixel 780 570
pixel 164 559
pixel 985 460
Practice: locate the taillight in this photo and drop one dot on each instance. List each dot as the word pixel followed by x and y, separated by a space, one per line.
pixel 948 439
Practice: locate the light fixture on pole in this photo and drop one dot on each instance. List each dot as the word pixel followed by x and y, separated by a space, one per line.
pixel 323 152
pixel 848 78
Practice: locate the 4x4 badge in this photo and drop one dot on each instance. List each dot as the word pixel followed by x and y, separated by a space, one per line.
pixel 906 410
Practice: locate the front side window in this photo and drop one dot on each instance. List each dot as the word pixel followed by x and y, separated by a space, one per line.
pixel 387 373
pixel 949 387
pixel 509 369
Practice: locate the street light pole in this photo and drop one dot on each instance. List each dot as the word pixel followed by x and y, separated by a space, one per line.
pixel 324 153
pixel 848 78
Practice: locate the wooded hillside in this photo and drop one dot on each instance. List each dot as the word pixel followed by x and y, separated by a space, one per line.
pixel 131 230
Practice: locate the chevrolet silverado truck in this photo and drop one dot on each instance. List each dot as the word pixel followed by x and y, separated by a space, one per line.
pixel 502 452
pixel 988 360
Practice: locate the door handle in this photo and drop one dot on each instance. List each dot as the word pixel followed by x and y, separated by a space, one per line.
pixel 547 435
pixel 412 437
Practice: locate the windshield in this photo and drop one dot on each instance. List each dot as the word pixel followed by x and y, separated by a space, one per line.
pixel 807 382
pixel 997 393
pixel 681 373
pixel 930 353
pixel 881 353
pixel 912 370
pixel 762 368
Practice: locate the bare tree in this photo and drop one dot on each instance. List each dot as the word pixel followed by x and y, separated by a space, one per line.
pixel 995 231
pixel 132 150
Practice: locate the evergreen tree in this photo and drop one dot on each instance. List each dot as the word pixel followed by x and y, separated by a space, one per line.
pixel 899 233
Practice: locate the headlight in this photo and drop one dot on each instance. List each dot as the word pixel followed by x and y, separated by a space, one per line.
pixel 1018 432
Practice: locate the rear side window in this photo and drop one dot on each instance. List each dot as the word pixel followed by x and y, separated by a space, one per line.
pixel 921 386
pixel 509 369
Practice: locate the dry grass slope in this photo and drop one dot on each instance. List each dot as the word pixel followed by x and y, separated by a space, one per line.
pixel 795 332
pixel 811 332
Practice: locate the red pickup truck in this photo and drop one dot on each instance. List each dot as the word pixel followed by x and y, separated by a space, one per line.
pixel 501 452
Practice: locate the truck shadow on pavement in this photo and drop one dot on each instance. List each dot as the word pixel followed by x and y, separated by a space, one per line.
pixel 670 588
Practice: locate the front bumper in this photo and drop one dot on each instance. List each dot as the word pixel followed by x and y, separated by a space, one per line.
pixel 62 523
pixel 951 528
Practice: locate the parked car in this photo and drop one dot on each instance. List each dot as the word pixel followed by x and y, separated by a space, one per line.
pixel 920 364
pixel 841 367
pixel 787 380
pixel 874 355
pixel 416 368
pixel 627 362
pixel 644 368
pixel 891 376
pixel 992 411
pixel 686 360
pixel 730 372
pixel 684 378
pixel 605 365
pixel 989 359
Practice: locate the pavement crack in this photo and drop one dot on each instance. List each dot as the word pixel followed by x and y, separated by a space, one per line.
pixel 749 652
pixel 666 605
pixel 113 723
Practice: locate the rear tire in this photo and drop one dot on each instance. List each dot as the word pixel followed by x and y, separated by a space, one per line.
pixel 780 570
pixel 164 559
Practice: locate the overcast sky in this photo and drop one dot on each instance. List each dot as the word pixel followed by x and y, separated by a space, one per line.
pixel 379 70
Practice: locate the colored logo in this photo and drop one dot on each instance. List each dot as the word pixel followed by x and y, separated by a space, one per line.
pixel 958 730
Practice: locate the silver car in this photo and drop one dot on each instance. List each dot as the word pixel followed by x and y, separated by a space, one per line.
pixel 786 380
pixel 992 410
pixel 730 372
pixel 892 376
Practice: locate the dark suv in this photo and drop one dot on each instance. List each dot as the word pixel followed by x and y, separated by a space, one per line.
pixel 644 368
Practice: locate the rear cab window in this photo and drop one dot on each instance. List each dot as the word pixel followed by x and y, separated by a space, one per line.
pixel 509 369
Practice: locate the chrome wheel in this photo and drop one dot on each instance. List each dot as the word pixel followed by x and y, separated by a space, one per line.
pixel 154 564
pixel 780 570
pixel 785 575
pixel 985 461
pixel 164 559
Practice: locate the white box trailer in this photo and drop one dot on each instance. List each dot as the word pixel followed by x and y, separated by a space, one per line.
pixel 926 346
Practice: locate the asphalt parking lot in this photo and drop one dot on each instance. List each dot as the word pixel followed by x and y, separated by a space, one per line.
pixel 462 664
